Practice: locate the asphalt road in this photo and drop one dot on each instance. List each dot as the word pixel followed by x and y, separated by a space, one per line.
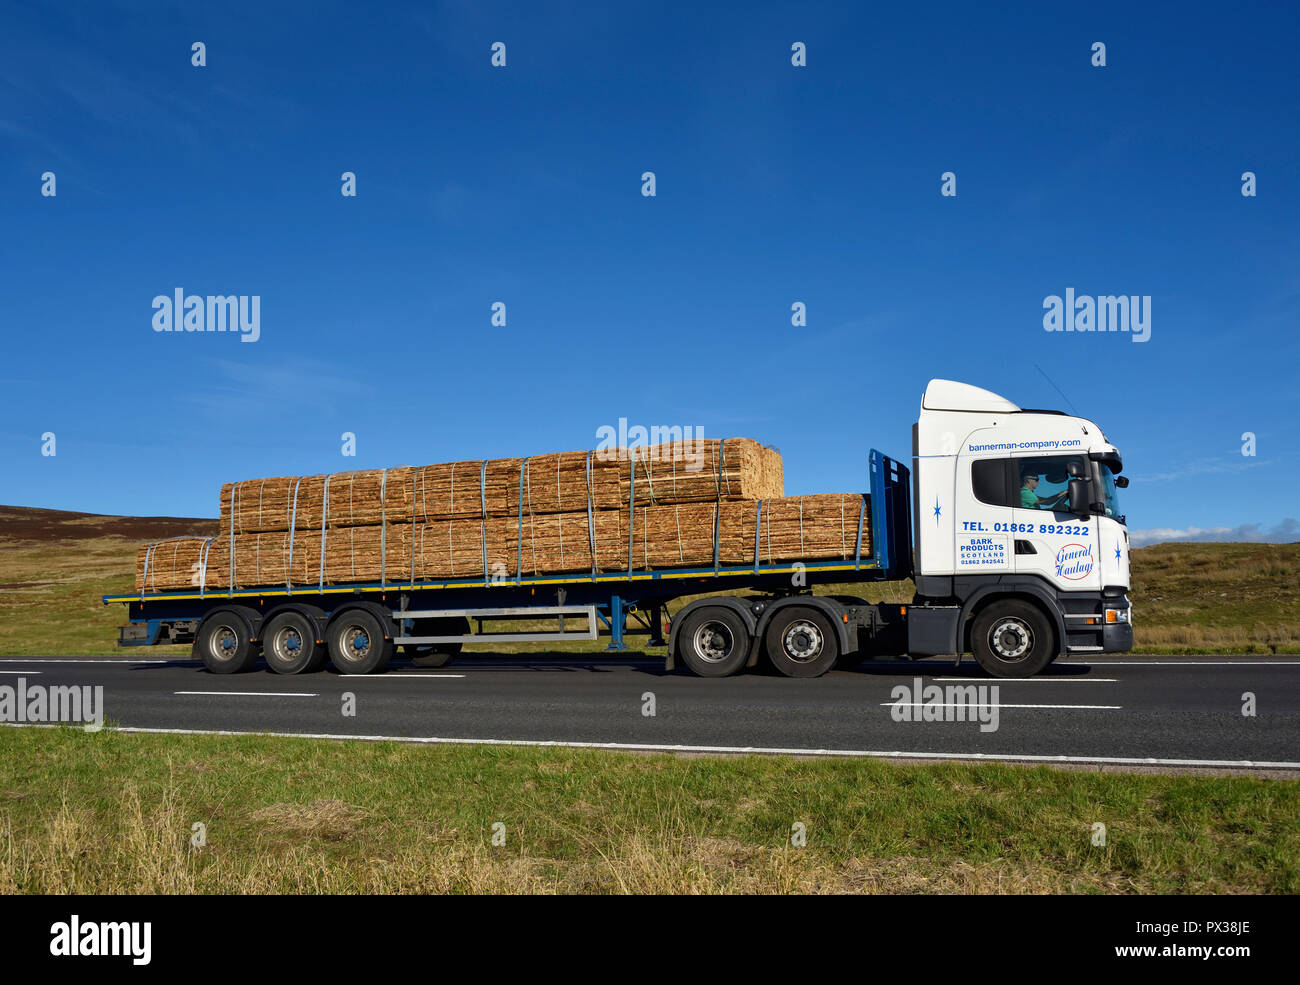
pixel 1172 711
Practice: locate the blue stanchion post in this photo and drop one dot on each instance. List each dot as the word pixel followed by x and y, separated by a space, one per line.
pixel 616 619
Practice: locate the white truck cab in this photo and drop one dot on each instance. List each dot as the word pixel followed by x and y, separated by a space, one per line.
pixel 1021 549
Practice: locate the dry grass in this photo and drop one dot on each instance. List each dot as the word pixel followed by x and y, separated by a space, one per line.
pixel 148 851
pixel 1238 598
pixel 114 813
pixel 50 596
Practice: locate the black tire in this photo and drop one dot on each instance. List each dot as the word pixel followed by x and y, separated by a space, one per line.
pixel 224 643
pixel 801 642
pixel 714 641
pixel 425 656
pixel 1011 638
pixel 357 644
pixel 436 654
pixel 289 644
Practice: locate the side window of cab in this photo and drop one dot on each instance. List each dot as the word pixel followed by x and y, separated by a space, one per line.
pixel 990 480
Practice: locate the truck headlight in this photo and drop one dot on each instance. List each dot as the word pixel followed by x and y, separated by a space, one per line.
pixel 1116 615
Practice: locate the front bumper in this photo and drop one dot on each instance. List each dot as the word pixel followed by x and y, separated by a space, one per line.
pixel 1117 637
pixel 1098 624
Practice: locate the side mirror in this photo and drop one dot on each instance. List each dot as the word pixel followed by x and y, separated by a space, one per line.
pixel 1079 497
pixel 1121 482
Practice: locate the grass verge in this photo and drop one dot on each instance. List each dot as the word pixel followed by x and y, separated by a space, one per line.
pixel 115 813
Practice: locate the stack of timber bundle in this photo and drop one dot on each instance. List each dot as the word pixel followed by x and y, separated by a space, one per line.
pixel 450 549
pixel 565 482
pixel 167 565
pixel 797 528
pixel 821 527
pixel 674 536
pixel 452 491
pixel 372 496
pixel 683 505
pixel 557 543
pixel 703 471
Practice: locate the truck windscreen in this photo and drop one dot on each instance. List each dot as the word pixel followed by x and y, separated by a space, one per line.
pixel 1112 494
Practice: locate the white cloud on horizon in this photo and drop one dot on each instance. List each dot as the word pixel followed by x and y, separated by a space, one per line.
pixel 1285 532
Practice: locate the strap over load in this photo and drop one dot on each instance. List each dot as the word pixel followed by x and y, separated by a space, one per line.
pixel 733 469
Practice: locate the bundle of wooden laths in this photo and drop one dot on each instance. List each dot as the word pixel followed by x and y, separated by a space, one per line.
pixel 682 505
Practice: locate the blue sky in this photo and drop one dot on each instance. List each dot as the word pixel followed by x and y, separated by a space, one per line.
pixel 522 184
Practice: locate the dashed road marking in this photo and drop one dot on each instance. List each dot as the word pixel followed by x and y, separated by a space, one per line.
pixel 1032 680
pixel 962 704
pixel 255 694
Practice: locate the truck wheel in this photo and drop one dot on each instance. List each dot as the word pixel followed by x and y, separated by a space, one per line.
pixel 1012 639
pixel 289 644
pixel 357 645
pixel 427 656
pixel 436 654
pixel 224 644
pixel 801 643
pixel 714 642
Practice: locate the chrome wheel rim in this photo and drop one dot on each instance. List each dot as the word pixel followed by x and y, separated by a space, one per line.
pixel 288 644
pixel 713 642
pixel 803 641
pixel 223 643
pixel 1011 639
pixel 356 642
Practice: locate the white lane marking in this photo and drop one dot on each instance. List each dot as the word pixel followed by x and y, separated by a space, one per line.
pixel 93 660
pixel 1031 680
pixel 402 677
pixel 728 750
pixel 1179 663
pixel 926 704
pixel 564 661
pixel 256 694
pixel 35 673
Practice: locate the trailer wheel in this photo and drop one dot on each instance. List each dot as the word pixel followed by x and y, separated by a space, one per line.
pixel 289 644
pixel 427 656
pixel 436 654
pixel 356 643
pixel 1012 638
pixel 801 643
pixel 224 644
pixel 714 642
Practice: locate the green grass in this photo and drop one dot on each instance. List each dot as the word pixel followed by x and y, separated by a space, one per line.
pixel 113 812
pixel 1217 598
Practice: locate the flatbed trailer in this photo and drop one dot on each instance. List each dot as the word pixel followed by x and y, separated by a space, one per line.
pixel 297 626
pixel 1012 532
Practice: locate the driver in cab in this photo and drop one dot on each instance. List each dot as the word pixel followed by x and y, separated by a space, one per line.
pixel 1030 500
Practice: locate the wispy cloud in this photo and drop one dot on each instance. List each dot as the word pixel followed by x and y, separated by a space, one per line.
pixel 1205 466
pixel 280 390
pixel 1285 532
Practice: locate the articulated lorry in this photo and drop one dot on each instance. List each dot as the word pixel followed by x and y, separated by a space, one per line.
pixel 1008 522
